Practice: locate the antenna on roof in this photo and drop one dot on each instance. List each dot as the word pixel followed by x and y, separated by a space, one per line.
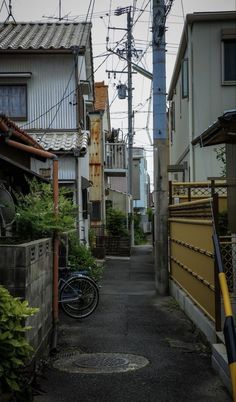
pixel 59 10
pixel 60 17
pixel 10 13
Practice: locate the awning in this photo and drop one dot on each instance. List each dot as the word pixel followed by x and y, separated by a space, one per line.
pixel 11 165
pixel 85 183
pixel 223 131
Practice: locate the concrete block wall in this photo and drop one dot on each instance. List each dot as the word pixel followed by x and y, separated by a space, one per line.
pixel 26 271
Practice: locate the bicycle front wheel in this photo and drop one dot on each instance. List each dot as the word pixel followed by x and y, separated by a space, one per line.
pixel 79 297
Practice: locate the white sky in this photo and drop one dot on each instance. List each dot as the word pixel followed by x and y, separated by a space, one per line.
pixel 103 16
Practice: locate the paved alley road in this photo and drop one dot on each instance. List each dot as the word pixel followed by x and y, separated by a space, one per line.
pixel 132 320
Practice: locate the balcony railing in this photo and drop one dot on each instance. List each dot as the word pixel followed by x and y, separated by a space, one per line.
pixel 115 159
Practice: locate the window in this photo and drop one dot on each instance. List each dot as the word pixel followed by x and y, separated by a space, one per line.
pixel 13 101
pixel 185 78
pixel 229 61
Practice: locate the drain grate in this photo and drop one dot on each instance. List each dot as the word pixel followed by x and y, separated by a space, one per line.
pixel 96 363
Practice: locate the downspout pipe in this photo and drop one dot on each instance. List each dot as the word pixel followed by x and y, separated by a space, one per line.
pixel 48 155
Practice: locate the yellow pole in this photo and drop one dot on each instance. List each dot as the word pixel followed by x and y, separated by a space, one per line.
pixel 225 294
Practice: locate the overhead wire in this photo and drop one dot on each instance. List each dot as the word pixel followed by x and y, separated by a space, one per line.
pixel 74 90
pixel 4 3
pixel 58 104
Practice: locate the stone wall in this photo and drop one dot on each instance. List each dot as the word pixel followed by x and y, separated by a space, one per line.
pixel 26 271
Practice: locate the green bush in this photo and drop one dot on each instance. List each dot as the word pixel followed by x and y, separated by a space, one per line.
pixel 35 215
pixel 116 223
pixel 81 259
pixel 14 348
pixel 139 236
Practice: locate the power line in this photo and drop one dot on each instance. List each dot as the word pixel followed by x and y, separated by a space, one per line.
pixel 59 103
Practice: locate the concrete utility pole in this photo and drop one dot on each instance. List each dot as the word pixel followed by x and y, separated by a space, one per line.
pixel 130 122
pixel 160 148
pixel 129 52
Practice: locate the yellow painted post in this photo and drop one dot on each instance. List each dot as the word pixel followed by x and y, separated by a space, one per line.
pixel 229 328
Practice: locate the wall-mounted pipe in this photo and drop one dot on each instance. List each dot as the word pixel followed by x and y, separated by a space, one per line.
pixel 48 155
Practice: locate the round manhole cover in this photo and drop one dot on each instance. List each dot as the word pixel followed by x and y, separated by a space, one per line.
pixel 95 363
pixel 101 361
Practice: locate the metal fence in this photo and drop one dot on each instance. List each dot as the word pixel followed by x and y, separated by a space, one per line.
pixel 112 245
pixel 228 251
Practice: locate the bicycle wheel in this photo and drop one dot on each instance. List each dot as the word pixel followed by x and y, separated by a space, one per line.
pixel 79 297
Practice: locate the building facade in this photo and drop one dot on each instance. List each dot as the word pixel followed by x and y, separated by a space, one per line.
pixel 46 87
pixel 202 88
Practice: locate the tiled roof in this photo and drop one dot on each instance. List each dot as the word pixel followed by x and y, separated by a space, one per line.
pixel 8 126
pixel 101 96
pixel 64 141
pixel 47 36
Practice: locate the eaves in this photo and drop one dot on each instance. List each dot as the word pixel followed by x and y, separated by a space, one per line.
pixel 42 51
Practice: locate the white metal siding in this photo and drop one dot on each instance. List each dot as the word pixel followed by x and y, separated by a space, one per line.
pixel 67 165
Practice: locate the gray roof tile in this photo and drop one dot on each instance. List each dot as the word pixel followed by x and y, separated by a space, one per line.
pixel 63 141
pixel 47 36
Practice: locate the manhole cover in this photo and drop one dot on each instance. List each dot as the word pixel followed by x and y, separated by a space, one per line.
pixel 95 363
pixel 101 361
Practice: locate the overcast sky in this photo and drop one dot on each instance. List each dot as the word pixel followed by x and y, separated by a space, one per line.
pixel 102 18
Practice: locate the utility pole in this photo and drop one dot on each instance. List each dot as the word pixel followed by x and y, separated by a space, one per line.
pixel 130 122
pixel 160 148
pixel 129 51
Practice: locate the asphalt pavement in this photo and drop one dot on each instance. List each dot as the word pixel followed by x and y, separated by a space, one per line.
pixel 136 347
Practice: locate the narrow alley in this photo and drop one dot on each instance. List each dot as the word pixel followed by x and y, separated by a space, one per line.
pixel 150 351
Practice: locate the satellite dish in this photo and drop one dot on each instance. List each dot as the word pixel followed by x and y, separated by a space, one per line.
pixel 7 208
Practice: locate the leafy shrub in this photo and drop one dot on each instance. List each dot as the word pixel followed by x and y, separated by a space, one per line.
pixel 221 157
pixel 116 222
pixel 92 238
pixel 14 348
pixel 139 236
pixel 81 259
pixel 35 212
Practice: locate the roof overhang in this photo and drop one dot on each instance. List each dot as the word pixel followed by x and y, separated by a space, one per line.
pixel 18 169
pixel 223 131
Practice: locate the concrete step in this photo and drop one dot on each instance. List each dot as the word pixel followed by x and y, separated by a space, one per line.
pixel 220 364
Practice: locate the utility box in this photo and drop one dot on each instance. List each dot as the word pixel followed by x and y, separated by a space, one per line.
pixel 122 88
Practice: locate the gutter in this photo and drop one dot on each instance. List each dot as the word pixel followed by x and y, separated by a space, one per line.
pixel 48 155
pixel 191 105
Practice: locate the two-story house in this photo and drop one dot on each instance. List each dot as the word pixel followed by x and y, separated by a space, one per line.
pixel 46 87
pixel 202 88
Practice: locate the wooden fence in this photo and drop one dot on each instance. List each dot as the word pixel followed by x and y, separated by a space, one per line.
pixel 191 255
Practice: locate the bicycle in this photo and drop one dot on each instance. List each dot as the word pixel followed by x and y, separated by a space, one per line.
pixel 78 293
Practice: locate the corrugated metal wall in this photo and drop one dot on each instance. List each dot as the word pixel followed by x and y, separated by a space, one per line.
pixel 67 165
pixel 52 79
